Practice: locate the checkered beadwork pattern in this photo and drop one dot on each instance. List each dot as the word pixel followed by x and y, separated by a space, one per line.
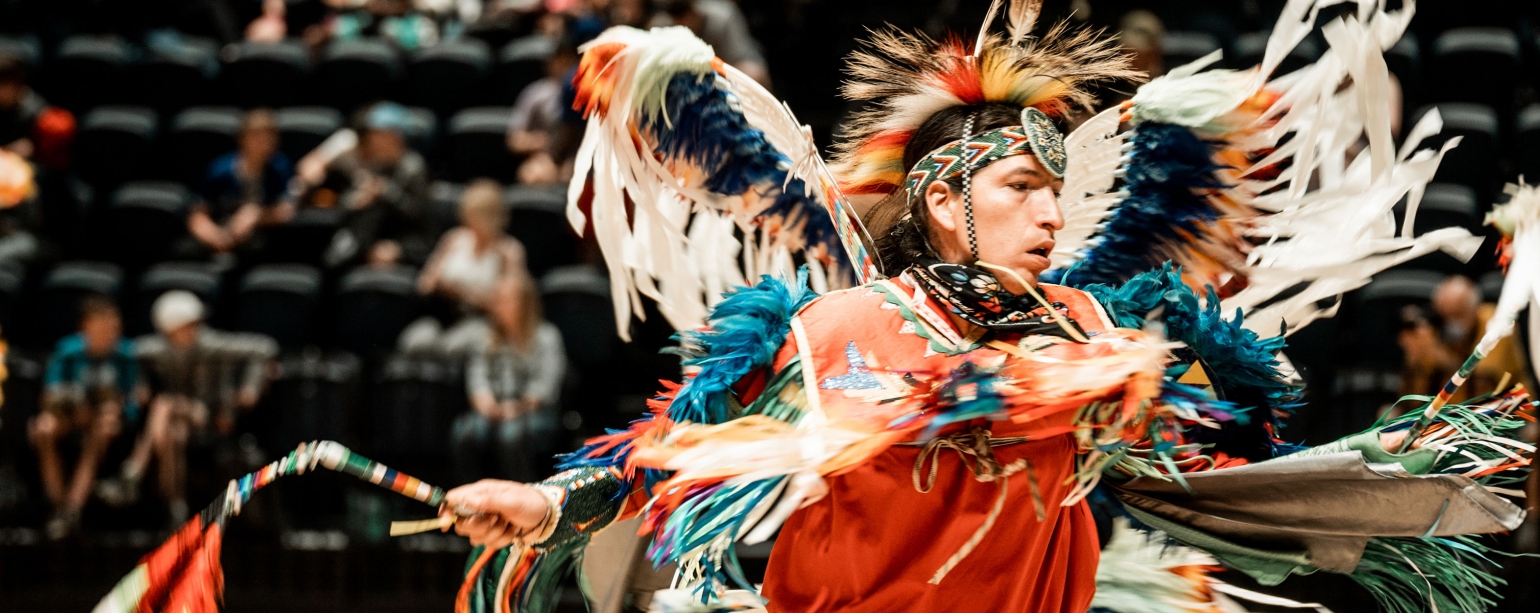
pixel 1037 136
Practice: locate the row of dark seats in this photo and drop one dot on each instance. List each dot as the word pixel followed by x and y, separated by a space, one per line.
pixel 173 73
pixel 1476 64
pixel 362 311
pixel 116 144
pixel 145 222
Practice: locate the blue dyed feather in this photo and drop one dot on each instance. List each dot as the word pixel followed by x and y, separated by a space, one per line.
pixel 1168 168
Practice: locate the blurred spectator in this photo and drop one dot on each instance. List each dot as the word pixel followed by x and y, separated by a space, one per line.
pixel 463 274
pixel 271 26
pixel 1140 33
pixel 535 130
pixel 192 372
pixel 1435 349
pixel 88 391
pixel 384 188
pixel 721 24
pixel 514 386
pixel 20 108
pixel 245 189
pixel 394 20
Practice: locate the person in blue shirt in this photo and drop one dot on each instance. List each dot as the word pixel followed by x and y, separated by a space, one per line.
pixel 245 190
pixel 89 389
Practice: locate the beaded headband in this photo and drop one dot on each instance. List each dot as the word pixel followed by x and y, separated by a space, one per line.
pixel 1036 135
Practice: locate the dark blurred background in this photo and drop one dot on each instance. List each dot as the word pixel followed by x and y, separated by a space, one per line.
pixel 354 184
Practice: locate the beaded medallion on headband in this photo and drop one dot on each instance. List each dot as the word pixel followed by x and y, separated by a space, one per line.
pixel 1036 135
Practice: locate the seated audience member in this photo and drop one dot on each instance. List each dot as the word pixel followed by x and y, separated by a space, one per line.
pixel 1435 349
pixel 722 25
pixel 462 274
pixel 198 376
pixel 514 386
pixel 20 107
pixel 245 190
pixel 88 390
pixel 394 20
pixel 535 128
pixel 384 188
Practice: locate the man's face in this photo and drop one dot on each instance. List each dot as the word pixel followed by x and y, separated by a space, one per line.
pixel 184 337
pixel 1015 215
pixel 383 147
pixel 259 144
pixel 101 332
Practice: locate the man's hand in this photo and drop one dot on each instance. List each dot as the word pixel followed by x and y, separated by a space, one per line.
pixel 506 510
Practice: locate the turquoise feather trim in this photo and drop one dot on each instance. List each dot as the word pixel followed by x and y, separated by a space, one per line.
pixel 1243 364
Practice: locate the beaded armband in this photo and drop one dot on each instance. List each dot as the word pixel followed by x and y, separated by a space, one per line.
pixel 583 501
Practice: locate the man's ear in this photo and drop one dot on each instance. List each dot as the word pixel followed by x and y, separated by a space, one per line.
pixel 938 203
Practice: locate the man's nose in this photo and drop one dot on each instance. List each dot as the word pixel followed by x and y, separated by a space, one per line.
pixel 1045 205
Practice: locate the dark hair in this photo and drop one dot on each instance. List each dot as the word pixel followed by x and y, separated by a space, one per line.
pixel 941 128
pixel 96 305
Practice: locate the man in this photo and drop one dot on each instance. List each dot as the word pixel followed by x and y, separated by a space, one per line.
pixel 385 189
pixel 1433 353
pixel 245 190
pixel 88 391
pixel 197 375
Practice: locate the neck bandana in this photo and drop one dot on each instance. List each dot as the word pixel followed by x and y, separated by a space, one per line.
pixel 976 295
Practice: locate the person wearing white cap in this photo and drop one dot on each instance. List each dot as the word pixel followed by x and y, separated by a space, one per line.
pixel 189 369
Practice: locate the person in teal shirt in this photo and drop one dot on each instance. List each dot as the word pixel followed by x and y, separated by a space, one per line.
pixel 89 390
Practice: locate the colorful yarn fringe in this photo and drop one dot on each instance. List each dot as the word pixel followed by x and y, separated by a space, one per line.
pixel 184 574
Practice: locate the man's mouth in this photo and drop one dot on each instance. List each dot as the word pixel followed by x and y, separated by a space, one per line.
pixel 1042 251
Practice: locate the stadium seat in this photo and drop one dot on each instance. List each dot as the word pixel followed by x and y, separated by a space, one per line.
pixel 1527 143
pixel 1473 162
pixel 1404 60
pixel 1248 49
pixel 577 302
pixel 1491 285
pixel 87 73
pixel 1447 205
pixel 478 145
pixel 415 399
pixel 1179 48
pixel 279 300
pixel 371 308
pixel 24 47
pixel 353 73
pixel 143 221
pixel 449 76
pixel 1443 205
pixel 115 144
pixel 12 288
pixel 520 63
pixel 176 74
pixel 199 135
pixel 1377 314
pixel 537 216
pixel 264 74
pixel 304 238
pixel 422 130
pixel 443 207
pixel 1475 65
pixel 302 128
pixel 58 302
pixel 314 397
pixel 199 278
